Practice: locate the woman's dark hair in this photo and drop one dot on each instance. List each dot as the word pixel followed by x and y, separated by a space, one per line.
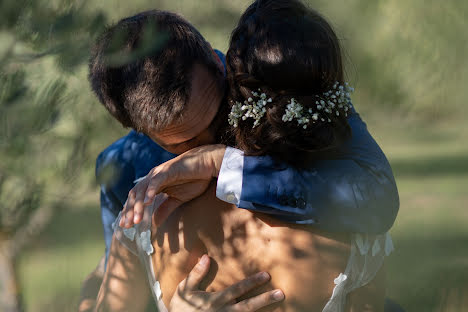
pixel 288 51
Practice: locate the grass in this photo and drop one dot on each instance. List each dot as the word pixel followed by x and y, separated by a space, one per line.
pixel 427 272
pixel 52 269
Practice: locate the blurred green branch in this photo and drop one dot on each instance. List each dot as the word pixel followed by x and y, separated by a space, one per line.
pixel 30 108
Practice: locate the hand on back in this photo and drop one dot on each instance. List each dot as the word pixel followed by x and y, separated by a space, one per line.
pixel 188 297
pixel 182 179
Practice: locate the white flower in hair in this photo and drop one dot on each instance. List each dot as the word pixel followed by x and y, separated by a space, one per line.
pixel 254 108
pixel 294 110
pixel 333 102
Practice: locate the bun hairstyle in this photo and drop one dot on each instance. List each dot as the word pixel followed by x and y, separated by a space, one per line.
pixel 287 51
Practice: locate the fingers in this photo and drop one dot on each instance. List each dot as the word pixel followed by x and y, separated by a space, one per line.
pixel 128 214
pixel 190 165
pixel 244 286
pixel 193 280
pixel 257 302
pixel 139 207
pixel 165 210
pixel 127 210
pixel 158 179
pixel 122 219
pixel 133 209
pixel 151 192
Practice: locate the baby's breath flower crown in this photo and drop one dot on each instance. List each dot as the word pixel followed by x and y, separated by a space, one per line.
pixel 333 102
pixel 251 108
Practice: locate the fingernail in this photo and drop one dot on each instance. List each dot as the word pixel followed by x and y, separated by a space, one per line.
pixel 278 295
pixel 264 276
pixel 204 260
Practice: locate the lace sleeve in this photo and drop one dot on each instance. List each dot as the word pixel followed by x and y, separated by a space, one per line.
pixel 137 239
pixel 131 238
pixel 367 256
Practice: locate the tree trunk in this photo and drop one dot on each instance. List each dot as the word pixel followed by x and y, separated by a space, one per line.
pixel 10 300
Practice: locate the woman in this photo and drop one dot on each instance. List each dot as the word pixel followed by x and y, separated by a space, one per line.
pixel 289 100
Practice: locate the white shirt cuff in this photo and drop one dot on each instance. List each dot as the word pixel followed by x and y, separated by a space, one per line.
pixel 229 185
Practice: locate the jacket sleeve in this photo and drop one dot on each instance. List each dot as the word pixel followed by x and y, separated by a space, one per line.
pixel 354 192
pixel 115 178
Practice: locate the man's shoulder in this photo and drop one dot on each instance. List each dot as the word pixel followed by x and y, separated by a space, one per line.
pixel 134 150
pixel 123 148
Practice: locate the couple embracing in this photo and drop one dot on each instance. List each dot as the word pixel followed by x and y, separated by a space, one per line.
pixel 253 162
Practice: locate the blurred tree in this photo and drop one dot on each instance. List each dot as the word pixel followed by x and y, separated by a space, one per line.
pixel 34 32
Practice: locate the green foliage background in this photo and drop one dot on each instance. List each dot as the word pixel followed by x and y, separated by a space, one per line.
pixel 407 60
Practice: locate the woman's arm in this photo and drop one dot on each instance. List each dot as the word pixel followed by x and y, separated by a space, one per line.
pixel 125 286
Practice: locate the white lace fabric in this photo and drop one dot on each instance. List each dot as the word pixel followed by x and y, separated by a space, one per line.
pixel 367 256
pixel 137 239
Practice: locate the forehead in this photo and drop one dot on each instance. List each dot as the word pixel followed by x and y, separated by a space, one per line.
pixel 203 104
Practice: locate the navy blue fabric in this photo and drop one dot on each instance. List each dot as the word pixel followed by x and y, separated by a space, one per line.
pixel 222 58
pixel 124 161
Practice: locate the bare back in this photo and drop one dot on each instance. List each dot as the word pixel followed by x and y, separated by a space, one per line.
pixel 303 262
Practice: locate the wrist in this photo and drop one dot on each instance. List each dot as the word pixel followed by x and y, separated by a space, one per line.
pixel 217 158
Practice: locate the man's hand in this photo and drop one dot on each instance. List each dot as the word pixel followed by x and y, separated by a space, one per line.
pixel 182 179
pixel 188 297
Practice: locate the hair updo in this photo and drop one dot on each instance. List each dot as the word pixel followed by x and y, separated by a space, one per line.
pixel 287 51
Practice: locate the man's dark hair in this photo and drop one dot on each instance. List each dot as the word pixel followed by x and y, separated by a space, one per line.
pixel 288 51
pixel 140 68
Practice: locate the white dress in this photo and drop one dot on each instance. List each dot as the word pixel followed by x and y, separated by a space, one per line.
pixel 365 260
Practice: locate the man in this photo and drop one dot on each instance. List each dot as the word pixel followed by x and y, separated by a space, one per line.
pixel 185 75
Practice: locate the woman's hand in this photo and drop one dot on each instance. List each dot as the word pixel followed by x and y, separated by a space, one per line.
pixel 189 298
pixel 182 179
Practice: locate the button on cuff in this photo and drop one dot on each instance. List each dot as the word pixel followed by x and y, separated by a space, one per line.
pixel 231 198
